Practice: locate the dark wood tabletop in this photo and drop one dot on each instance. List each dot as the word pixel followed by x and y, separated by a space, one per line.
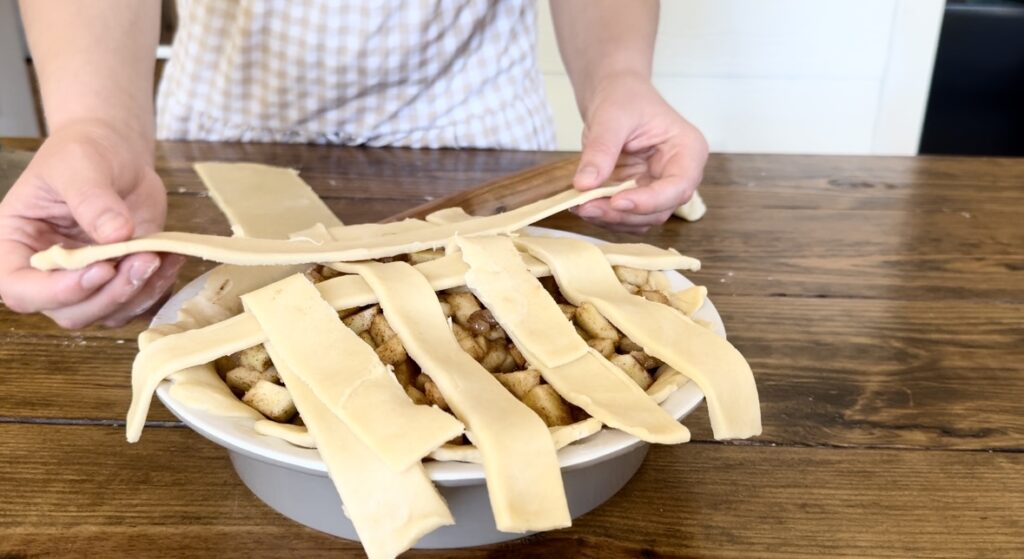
pixel 880 302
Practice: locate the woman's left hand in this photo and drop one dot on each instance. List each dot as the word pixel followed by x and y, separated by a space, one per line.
pixel 631 132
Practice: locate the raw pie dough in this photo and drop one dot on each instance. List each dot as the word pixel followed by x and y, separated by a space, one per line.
pixel 524 481
pixel 344 372
pixel 530 317
pixel 251 252
pixel 713 363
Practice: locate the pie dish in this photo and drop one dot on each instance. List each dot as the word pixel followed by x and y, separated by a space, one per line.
pixel 585 340
pixel 293 480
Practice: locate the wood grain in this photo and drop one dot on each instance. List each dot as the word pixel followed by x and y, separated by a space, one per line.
pixel 411 175
pixel 68 489
pixel 872 374
pixel 503 194
pixel 880 302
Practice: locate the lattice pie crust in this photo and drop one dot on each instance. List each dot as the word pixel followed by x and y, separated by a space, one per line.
pixel 366 417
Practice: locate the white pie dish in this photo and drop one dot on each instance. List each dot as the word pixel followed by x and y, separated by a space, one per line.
pixel 294 481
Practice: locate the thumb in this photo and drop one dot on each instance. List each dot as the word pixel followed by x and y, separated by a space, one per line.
pixel 98 209
pixel 602 144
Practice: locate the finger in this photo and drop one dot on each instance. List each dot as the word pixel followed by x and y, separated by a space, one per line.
pixel 94 204
pixel 25 289
pixel 601 212
pixel 148 204
pixel 153 291
pixel 602 145
pixel 133 272
pixel 677 175
pixel 631 229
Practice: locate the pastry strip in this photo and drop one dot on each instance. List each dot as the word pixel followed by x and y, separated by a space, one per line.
pixel 390 510
pixel 634 255
pixel 368 230
pixel 719 370
pixel 346 374
pixel 245 251
pixel 524 481
pixel 532 319
pixel 262 201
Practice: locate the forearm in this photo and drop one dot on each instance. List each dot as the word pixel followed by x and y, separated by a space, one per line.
pixel 604 39
pixel 95 61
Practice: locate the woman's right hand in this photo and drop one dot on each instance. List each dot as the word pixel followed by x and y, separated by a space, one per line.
pixel 87 184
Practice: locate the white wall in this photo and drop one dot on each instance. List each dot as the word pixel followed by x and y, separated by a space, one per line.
pixel 17 111
pixel 784 76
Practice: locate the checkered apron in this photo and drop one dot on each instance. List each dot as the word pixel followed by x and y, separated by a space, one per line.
pixel 418 73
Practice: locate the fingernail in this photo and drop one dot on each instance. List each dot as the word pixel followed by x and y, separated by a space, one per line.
pixel 590 212
pixel 94 277
pixel 141 272
pixel 109 223
pixel 587 174
pixel 623 205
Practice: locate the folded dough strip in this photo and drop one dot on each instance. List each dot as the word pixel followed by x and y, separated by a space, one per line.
pixel 524 481
pixel 583 275
pixel 390 510
pixel 532 319
pixel 246 251
pixel 346 374
pixel 173 353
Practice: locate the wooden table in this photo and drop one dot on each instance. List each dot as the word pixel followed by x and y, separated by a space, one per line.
pixel 880 302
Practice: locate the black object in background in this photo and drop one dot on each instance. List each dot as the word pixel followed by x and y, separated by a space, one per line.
pixel 976 104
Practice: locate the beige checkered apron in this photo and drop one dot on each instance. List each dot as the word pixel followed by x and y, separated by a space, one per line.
pixel 418 73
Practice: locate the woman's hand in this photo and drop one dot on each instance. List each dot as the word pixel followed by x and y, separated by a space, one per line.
pixel 87 184
pixel 631 132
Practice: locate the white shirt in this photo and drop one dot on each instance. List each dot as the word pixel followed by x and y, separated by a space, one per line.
pixel 421 73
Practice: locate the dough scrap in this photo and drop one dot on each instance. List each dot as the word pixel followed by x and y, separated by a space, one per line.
pixel 692 210
pixel 246 251
pixel 524 480
pixel 448 215
pixel 583 275
pixel 535 323
pixel 346 374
